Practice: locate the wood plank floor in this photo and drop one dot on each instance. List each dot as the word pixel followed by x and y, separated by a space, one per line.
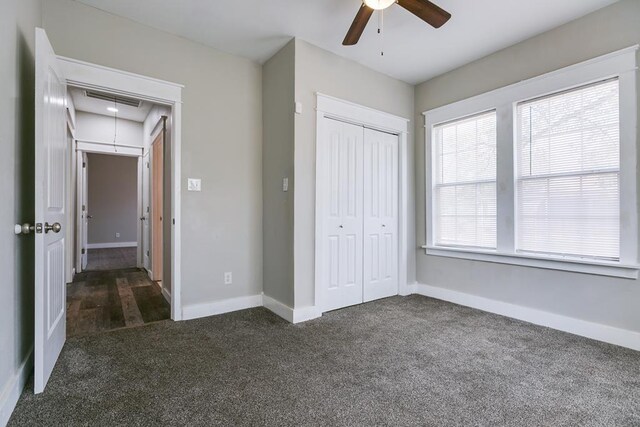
pixel 111 258
pixel 99 301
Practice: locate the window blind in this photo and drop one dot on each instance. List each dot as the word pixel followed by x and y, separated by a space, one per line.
pixel 465 182
pixel 568 163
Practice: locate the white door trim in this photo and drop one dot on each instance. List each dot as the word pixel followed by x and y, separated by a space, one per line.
pixel 335 108
pixel 91 76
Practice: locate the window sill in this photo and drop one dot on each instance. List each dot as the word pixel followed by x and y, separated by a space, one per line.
pixel 600 268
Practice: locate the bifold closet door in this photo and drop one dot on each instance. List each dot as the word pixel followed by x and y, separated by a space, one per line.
pixel 342 224
pixel 380 215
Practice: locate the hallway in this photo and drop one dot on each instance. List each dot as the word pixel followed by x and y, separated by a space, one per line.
pixel 111 258
pixel 99 301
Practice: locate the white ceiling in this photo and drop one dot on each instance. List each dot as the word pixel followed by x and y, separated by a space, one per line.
pixel 97 106
pixel 413 51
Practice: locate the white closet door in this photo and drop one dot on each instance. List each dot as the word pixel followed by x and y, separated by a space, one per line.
pixel 380 215
pixel 341 234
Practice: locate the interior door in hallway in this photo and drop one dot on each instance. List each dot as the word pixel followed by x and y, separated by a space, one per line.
pixel 84 215
pixel 157 160
pixel 341 189
pixel 380 215
pixel 146 210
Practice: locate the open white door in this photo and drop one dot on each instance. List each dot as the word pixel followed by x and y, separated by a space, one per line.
pixel 145 217
pixel 81 211
pixel 84 224
pixel 50 214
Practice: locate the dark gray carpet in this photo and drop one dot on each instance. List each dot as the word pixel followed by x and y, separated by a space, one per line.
pixel 399 361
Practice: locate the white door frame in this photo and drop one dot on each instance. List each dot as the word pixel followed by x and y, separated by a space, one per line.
pixel 109 148
pixel 335 108
pixel 91 76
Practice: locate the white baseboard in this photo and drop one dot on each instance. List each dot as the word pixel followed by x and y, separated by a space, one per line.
pixel 195 311
pixel 408 289
pixel 305 313
pixel 289 314
pixel 13 389
pixel 166 294
pixel 278 308
pixel 109 245
pixel 596 331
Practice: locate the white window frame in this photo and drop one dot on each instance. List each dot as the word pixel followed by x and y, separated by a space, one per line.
pixel 436 186
pixel 621 65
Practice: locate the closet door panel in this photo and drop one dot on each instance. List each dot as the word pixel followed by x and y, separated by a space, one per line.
pixel 380 260
pixel 342 224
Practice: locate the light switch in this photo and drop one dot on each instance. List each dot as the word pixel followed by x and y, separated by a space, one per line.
pixel 298 107
pixel 285 184
pixel 194 184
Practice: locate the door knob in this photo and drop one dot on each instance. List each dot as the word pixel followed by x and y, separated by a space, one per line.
pixel 24 228
pixel 141 218
pixel 55 227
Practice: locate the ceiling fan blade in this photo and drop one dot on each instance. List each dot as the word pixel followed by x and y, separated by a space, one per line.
pixel 357 26
pixel 427 11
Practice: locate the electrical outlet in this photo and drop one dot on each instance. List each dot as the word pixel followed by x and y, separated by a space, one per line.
pixel 285 184
pixel 117 235
pixel 228 278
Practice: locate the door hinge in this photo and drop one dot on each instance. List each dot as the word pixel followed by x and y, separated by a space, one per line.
pixel 84 208
pixel 147 253
pixel 84 165
pixel 174 221
pixel 39 227
pixel 147 209
pixel 147 165
pixel 83 251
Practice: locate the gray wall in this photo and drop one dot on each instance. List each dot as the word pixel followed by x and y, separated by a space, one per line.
pixel 320 71
pixel 113 198
pixel 18 19
pixel 277 163
pixel 598 299
pixel 221 139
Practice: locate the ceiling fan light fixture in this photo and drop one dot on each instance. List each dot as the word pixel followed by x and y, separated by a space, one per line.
pixel 379 4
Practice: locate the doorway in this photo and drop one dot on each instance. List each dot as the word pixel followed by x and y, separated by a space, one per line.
pixel 119 145
pixel 110 212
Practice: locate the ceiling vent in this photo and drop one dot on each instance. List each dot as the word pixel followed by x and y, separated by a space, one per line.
pixel 113 98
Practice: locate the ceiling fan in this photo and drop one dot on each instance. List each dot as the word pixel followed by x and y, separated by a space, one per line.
pixel 423 9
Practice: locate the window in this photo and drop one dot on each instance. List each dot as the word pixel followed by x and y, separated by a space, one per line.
pixel 568 193
pixel 465 182
pixel 541 173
